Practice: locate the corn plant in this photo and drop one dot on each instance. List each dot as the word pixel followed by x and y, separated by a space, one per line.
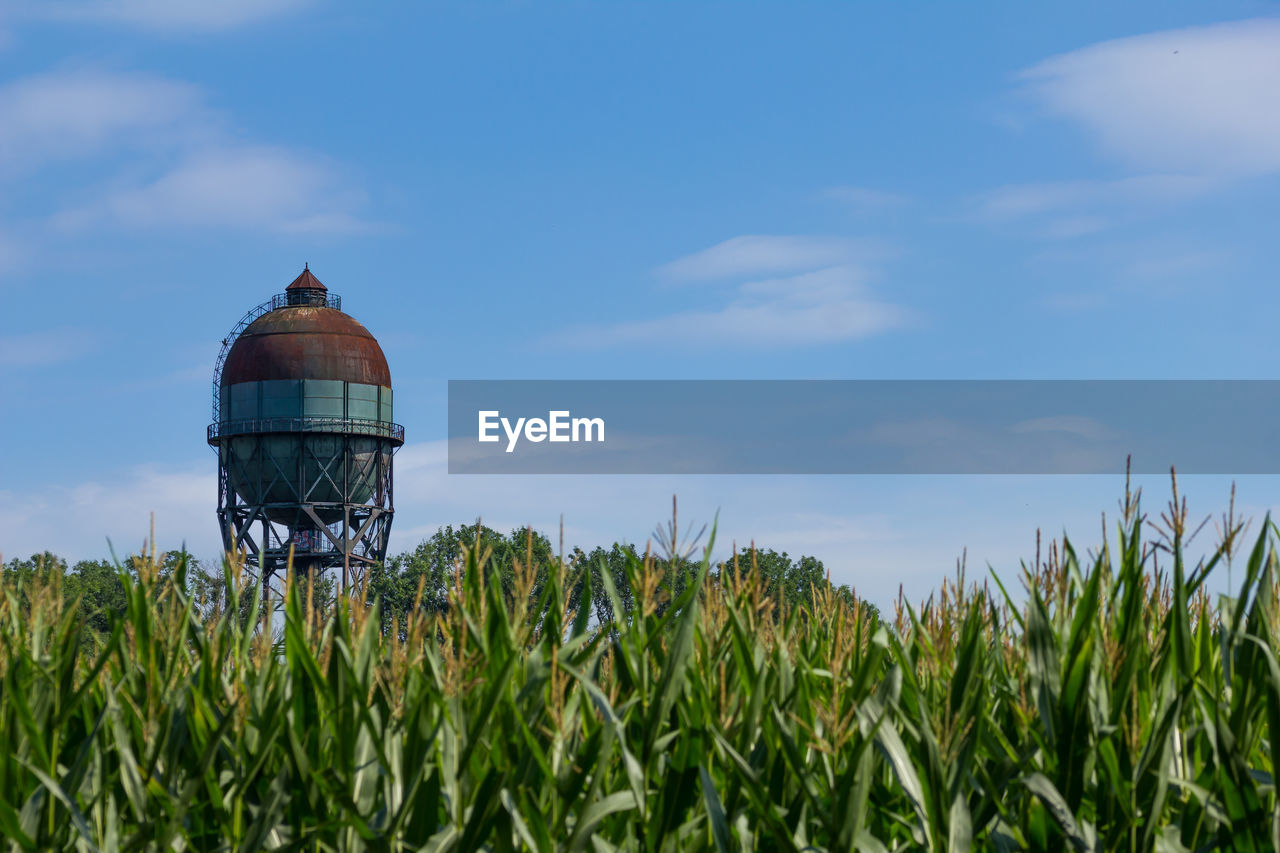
pixel 1105 703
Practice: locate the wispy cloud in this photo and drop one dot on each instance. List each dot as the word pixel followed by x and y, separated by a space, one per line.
pixel 184 376
pixel 1070 227
pixel 774 511
pixel 10 253
pixel 1202 100
pixel 1077 425
pixel 822 296
pixel 164 159
pixel 240 187
pixel 1071 301
pixel 866 200
pixel 78 113
pixel 49 346
pixel 169 16
pixel 873 529
pixel 76 521
pixel 1157 267
pixel 1174 264
pixel 1016 201
pixel 759 254
pixel 824 306
pixel 1061 210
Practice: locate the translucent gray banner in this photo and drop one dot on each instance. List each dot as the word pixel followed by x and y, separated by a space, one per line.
pixel 863 426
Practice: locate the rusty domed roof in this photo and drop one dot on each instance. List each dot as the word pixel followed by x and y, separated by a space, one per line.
pixel 306 342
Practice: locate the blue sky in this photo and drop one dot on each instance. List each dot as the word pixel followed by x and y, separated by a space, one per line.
pixel 626 190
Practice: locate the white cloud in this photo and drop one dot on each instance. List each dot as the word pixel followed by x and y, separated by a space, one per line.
pixel 867 200
pixel 1203 100
pixel 825 306
pixel 1066 210
pixel 179 377
pixel 165 159
pixel 1017 201
pixel 1174 263
pixel 873 543
pixel 1077 425
pixel 1070 227
pixel 243 187
pixel 756 254
pixel 167 15
pixel 49 346
pixel 67 114
pixel 1153 267
pixel 1075 300
pixel 866 535
pixel 10 253
pixel 76 521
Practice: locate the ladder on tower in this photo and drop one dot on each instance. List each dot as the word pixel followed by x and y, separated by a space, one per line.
pixel 253 314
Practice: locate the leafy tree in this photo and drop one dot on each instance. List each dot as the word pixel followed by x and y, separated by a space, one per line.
pixel 598 562
pixel 38 567
pixel 435 561
pixel 96 583
pixel 622 563
pixel 792 580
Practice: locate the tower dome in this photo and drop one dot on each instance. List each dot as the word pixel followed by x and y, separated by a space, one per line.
pixel 306 339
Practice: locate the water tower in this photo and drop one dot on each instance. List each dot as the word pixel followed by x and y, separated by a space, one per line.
pixel 303 430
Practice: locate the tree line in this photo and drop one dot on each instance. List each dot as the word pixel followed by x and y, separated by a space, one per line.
pixel 423 577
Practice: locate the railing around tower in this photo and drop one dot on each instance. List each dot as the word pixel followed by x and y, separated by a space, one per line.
pixel 311 298
pixel 349 426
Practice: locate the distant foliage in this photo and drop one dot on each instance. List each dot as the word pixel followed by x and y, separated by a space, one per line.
pixel 425 576
pixel 792 582
pixel 97 589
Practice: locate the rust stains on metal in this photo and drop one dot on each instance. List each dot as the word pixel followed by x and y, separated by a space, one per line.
pixel 306 342
pixel 306 281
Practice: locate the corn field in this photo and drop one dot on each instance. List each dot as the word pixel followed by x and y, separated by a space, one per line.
pixel 1096 702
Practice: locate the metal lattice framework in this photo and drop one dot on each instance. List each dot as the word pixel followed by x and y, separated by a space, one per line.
pixel 323 534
